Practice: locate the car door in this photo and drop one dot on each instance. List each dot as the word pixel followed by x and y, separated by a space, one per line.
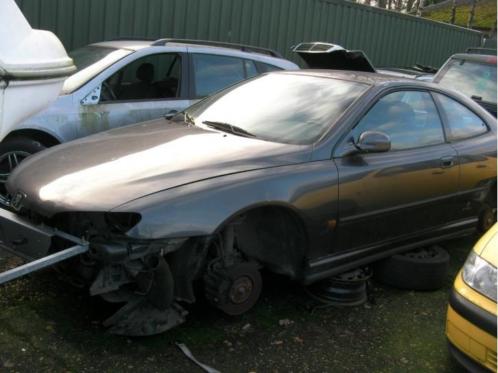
pixel 405 191
pixel 147 88
pixel 475 145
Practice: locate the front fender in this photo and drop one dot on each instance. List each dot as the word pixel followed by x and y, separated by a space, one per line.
pixel 200 208
pixel 59 120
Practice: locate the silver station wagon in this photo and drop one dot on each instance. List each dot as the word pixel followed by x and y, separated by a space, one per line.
pixel 121 82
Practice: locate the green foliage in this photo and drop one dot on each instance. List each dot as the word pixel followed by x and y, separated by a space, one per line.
pixel 485 14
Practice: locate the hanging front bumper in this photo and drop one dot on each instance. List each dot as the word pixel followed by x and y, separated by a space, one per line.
pixel 33 243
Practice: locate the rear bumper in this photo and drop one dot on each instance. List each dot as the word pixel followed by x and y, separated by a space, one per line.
pixel 470 332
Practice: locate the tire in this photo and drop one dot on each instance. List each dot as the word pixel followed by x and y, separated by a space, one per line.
pixel 21 143
pixel 421 269
pixel 487 218
pixel 22 147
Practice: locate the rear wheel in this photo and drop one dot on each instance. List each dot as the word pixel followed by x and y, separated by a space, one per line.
pixel 12 152
pixel 422 269
pixel 487 217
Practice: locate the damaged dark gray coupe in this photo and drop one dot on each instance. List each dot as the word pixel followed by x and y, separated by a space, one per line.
pixel 307 174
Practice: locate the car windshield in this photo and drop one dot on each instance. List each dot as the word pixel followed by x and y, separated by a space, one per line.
pixel 471 78
pixel 279 107
pixel 90 61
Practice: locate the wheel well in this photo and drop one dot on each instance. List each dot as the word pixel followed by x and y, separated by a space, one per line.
pixel 41 136
pixel 275 236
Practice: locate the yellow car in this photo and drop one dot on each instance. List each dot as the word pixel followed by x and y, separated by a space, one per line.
pixel 471 320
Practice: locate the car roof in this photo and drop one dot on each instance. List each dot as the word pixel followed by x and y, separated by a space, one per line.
pixel 204 46
pixel 355 76
pixel 125 44
pixel 379 80
pixel 483 58
pixel 136 44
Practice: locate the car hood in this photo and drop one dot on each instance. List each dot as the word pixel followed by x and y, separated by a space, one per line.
pixel 103 171
pixel 487 246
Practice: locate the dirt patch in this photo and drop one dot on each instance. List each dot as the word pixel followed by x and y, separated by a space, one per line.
pixel 47 325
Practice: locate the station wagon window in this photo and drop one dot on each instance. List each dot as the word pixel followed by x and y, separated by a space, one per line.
pixel 462 123
pixel 213 72
pixel 266 68
pixel 410 118
pixel 250 69
pixel 152 77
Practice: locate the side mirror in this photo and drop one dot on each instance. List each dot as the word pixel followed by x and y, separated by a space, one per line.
pixel 170 114
pixel 373 142
pixel 93 97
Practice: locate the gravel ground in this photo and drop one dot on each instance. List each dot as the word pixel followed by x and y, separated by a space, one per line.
pixel 48 326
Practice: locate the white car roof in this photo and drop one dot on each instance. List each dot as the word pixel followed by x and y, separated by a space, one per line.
pixel 197 46
pixel 125 44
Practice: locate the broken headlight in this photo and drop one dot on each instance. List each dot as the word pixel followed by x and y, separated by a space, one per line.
pixel 480 275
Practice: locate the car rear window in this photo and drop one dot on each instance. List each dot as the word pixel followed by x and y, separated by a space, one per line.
pixel 470 78
pixel 462 122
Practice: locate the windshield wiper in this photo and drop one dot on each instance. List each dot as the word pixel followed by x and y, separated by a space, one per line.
pixel 227 127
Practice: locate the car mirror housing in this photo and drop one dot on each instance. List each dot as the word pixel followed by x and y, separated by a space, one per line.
pixel 93 97
pixel 373 142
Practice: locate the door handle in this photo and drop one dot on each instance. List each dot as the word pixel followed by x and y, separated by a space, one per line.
pixel 447 162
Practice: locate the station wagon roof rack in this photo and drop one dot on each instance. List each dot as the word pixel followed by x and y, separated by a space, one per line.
pixel 132 38
pixel 241 47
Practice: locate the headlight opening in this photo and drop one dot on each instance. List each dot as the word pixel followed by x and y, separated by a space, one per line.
pixel 480 275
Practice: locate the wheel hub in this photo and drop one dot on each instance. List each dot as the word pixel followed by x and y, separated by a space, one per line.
pixel 9 161
pixel 346 289
pixel 234 289
pixel 241 290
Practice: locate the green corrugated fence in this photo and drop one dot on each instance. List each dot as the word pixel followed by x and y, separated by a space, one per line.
pixel 389 38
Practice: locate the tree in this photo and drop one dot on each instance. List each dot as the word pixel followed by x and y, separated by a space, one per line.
pixel 419 6
pixel 472 13
pixel 453 12
pixel 381 4
pixel 409 5
pixel 493 31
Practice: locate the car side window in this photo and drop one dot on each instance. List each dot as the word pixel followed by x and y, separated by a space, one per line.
pixel 213 72
pixel 409 118
pixel 250 68
pixel 462 123
pixel 266 68
pixel 151 77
